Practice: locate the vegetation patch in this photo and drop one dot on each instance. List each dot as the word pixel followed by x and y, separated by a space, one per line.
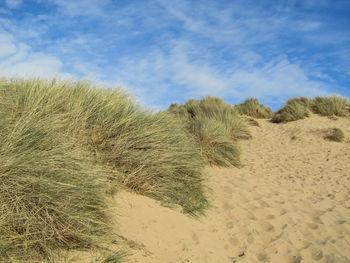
pixel 299 108
pixel 65 147
pixel 335 135
pixel 251 122
pixel 329 106
pixel 216 126
pixel 295 109
pixel 251 107
pixel 216 145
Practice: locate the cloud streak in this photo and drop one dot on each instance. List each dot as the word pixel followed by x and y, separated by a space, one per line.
pixel 166 52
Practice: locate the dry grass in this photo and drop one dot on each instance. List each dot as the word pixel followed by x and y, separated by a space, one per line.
pixel 216 126
pixel 329 106
pixel 65 147
pixel 335 135
pixel 295 109
pixel 216 145
pixel 299 108
pixel 251 107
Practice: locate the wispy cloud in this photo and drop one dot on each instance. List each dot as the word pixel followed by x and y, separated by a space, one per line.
pixel 168 51
pixel 13 4
pixel 7 46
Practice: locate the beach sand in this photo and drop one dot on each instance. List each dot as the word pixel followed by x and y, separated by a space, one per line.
pixel 289 203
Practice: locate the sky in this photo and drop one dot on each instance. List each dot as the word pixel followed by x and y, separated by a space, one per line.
pixel 168 51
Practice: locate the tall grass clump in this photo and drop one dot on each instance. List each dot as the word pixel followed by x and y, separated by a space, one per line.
pixel 329 106
pixel 251 107
pixel 51 196
pixel 64 145
pixel 216 145
pixel 216 126
pixel 304 101
pixel 295 109
pixel 214 108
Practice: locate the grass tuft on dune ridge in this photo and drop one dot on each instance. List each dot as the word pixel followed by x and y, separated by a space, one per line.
pixel 65 146
pixel 299 108
pixel 329 106
pixel 216 126
pixel 295 109
pixel 251 107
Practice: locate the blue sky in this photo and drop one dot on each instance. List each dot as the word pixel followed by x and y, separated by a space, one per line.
pixel 169 51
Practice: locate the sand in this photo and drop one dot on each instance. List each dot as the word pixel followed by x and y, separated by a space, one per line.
pixel 289 203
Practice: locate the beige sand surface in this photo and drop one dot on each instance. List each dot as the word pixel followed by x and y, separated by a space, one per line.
pixel 290 203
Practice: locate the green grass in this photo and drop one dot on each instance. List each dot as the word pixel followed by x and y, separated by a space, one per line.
pixel 304 101
pixel 295 109
pixel 216 126
pixel 329 106
pixel 299 108
pixel 251 107
pixel 65 147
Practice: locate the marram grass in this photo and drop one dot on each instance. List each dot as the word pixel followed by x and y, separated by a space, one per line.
pixel 65 147
pixel 216 126
pixel 251 107
pixel 329 106
pixel 216 145
pixel 335 135
pixel 294 110
pixel 299 108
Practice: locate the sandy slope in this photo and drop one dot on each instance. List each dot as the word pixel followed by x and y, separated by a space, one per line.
pixel 290 203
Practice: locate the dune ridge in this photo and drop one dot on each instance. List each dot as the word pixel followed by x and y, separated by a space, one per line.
pixel 289 203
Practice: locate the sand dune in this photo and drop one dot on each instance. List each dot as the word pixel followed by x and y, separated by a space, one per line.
pixel 289 203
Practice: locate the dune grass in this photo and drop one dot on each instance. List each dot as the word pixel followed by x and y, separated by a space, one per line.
pixel 295 109
pixel 299 108
pixel 335 135
pixel 216 145
pixel 216 126
pixel 65 147
pixel 251 107
pixel 329 106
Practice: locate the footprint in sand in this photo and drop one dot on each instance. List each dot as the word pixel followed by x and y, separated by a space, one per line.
pixel 230 225
pixel 316 253
pixel 262 256
pixel 227 206
pixel 227 190
pixel 195 238
pixel 235 241
pixel 313 226
pixel 293 258
pixel 266 226
pixel 250 215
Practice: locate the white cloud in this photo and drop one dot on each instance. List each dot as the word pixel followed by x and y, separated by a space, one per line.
pixel 19 60
pixel 7 46
pixel 221 49
pixel 189 77
pixel 279 78
pixel 35 66
pixel 13 4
